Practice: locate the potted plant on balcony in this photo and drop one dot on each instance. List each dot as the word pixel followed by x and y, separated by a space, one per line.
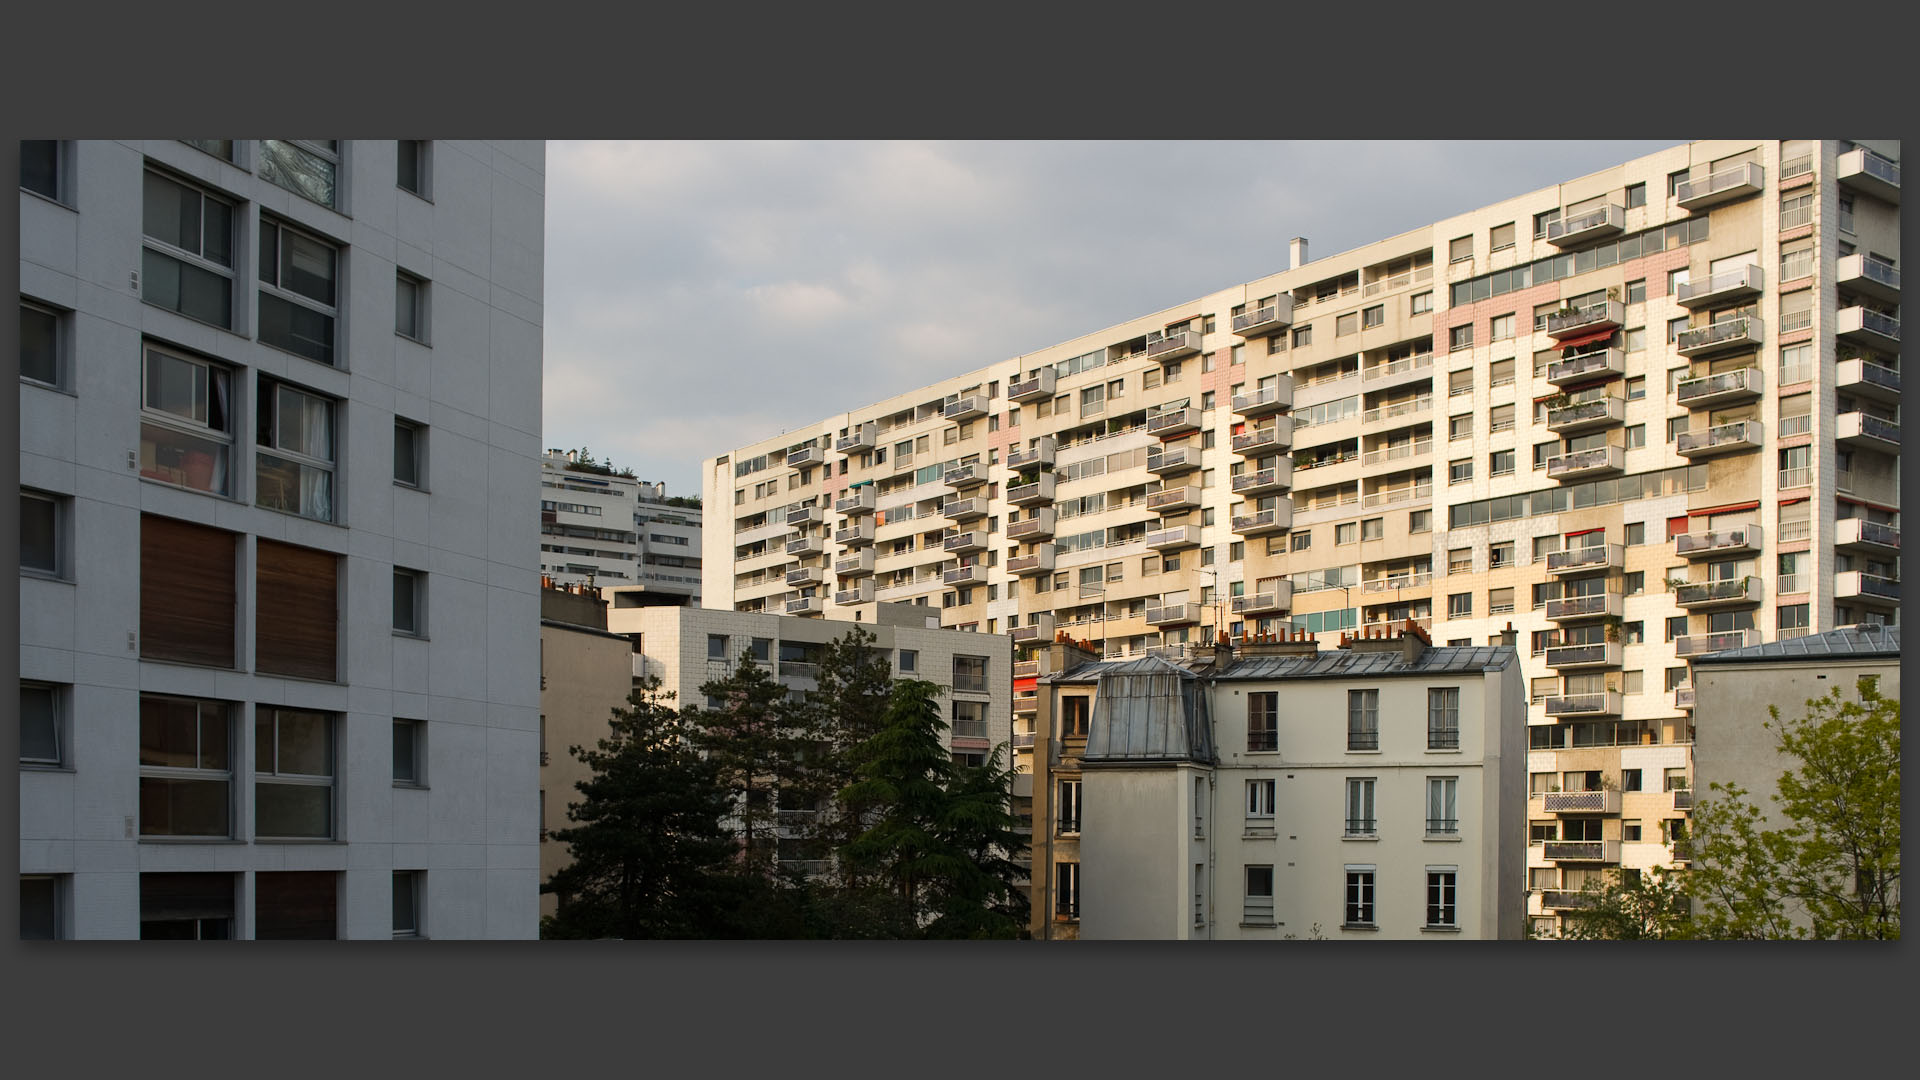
pixel 1613 624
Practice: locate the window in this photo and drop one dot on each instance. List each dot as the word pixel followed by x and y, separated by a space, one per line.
pixel 1360 805
pixel 40 170
pixel 297 476
pixel 187 263
pixel 1300 541
pixel 1260 798
pixel 1542 220
pixel 293 774
pixel 1460 606
pixel 1346 324
pixel 1500 463
pixel 42 534
pixel 716 643
pixel 1363 723
pixel 1635 340
pixel 1263 721
pixel 1501 237
pixel 1460 337
pixel 1442 891
pixel 186 771
pixel 909 660
pixel 1636 195
pixel 1420 303
pixel 407 889
pixel 1636 292
pixel 297 294
pixel 1066 890
pixel 1635 437
pixel 1460 250
pixel 1676 426
pixel 1539 690
pixel 1258 908
pixel 1460 561
pixel 1345 533
pixel 186 428
pixel 1500 554
pixel 1500 328
pixel 40 907
pixel 410 752
pixel 1068 815
pixel 1795 211
pixel 1791 617
pixel 1459 472
pixel 42 341
pixel 1301 336
pixel 970 673
pixel 1359 896
pixel 1420 521
pixel 1460 427
pixel 296 593
pixel 410 602
pixel 1443 718
pixel 188 593
pixel 1796 415
pixel 409 453
pixel 1373 528
pixel 1500 373
pixel 1846 213
pixel 1236 551
pixel 410 306
pixel 306 167
pixel 1676 627
pixel 186 906
pixel 1073 716
pixel 1675 327
pixel 1460 382
pixel 412 170
pixel 42 728
pixel 1373 316
pixel 1675 179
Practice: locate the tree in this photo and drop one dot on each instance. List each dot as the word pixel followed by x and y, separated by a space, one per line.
pixel 980 898
pixel 647 837
pixel 749 740
pixel 1622 906
pixel 847 707
pixel 1832 868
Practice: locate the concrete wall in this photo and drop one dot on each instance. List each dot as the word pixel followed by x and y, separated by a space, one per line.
pixel 585 676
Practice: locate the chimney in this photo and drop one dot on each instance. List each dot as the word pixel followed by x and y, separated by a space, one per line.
pixel 1288 642
pixel 1296 252
pixel 1509 638
pixel 1408 640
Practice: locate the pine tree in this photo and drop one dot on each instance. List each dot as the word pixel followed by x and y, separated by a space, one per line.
pixel 749 739
pixel 903 772
pixel 647 839
pixel 847 708
pixel 981 898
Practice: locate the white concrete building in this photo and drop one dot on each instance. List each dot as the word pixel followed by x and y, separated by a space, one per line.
pixel 280 421
pixel 609 529
pixel 667 531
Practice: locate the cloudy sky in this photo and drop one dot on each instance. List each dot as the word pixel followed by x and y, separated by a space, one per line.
pixel 704 295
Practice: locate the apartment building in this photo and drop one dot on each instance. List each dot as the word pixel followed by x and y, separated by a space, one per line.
pixel 279 641
pixel 1281 455
pixel 584 676
pixel 607 527
pixel 1274 790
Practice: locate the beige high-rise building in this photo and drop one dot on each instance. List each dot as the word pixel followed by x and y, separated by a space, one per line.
pixel 1642 415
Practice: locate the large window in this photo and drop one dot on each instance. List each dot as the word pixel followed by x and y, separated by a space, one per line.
pixel 1258 908
pixel 298 275
pixel 294 468
pixel 970 674
pixel 293 773
pixel 40 907
pixel 42 734
pixel 1442 895
pixel 1443 718
pixel 1360 806
pixel 186 421
pixel 1073 716
pixel 1359 896
pixel 296 905
pixel 307 167
pixel 1363 720
pixel 1263 721
pixel 1443 813
pixel 40 167
pixel 187 262
pixel 186 768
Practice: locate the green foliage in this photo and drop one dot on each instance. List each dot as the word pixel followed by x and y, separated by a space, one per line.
pixel 1649 905
pixel 847 707
pixel 751 742
pixel 1831 867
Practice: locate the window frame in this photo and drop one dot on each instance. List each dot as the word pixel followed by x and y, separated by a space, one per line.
pixel 416 880
pixel 1358 898
pixel 269 716
pixel 268 427
pixel 59 515
pixel 1443 718
pixel 965 680
pixel 266 165
pixel 226 716
pixel 195 259
pixel 1443 794
pixel 417 580
pixel 419 307
pixel 1443 899
pixel 415 733
pixel 1257 908
pixel 421 151
pixel 1261 795
pixel 58 707
pixel 274 288
pixel 1360 796
pixel 417 433
pixel 61 337
pixel 226 440
pixel 1269 712
pixel 1363 720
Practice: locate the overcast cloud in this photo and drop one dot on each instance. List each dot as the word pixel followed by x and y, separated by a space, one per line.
pixel 705 295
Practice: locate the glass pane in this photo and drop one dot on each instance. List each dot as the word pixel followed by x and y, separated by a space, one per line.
pixel 403 613
pixel 296 810
pixel 37 921
pixel 293 488
pixel 263 742
pixel 403 739
pixel 403 917
pixel 404 462
pixel 180 458
pixel 37 550
pixel 306 748
pixel 170 733
pixel 39 727
pixel 38 360
pixel 269 251
pixel 305 174
pixel 296 329
pixel 40 166
pixel 219 232
pixel 306 267
pixel 405 308
pixel 170 213
pixel 410 165
pixel 170 807
pixel 205 295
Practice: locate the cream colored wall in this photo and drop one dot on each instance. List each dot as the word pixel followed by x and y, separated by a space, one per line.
pixel 585 676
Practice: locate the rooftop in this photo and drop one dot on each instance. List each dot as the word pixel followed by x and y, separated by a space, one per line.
pixel 1331 664
pixel 1866 641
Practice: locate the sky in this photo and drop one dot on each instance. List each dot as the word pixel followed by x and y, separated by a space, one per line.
pixel 706 295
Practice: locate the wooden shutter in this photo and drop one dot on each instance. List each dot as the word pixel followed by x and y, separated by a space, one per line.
pixel 296 594
pixel 295 904
pixel 187 592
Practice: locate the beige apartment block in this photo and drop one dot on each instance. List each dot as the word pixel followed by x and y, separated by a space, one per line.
pixel 585 674
pixel 1639 416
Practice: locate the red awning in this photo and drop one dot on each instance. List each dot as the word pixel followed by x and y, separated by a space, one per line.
pixel 1729 509
pixel 1589 338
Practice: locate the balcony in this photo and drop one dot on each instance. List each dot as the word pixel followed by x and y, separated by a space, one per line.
pixel 860 437
pixel 1265 522
pixel 1586 560
pixel 1599 364
pixel 1405 451
pixel 1277 600
pixel 1180 536
pixel 1856 586
pixel 960 410
pixel 965 543
pixel 1860 377
pixel 1272 438
pixel 1394 372
pixel 1865 171
pixel 860 565
pixel 1682 798
pixel 965 477
pixel 1719 439
pixel 1022 740
pixel 1587 464
pixel 861 593
pixel 1582 802
pixel 1173 500
pixel 1866 432
pixel 1037 525
pixel 1728 184
pixel 1265 481
pixel 1609 220
pixel 1860 536
pixel 1173 614
pixel 1394 412
pixel 805 575
pixel 1589 606
pixel 964 509
pixel 1266 400
pixel 862 500
pixel 1683 697
pixel 1397 583
pixel 1173 462
pixel 1038 387
pixel 1172 422
pixel 1713 595
pixel 802 516
pixel 971 574
pixel 1602 412
pixel 1173 345
pixel 806 545
pixel 805 457
pixel 1039 628
pixel 1722 289
pixel 1565 899
pixel 1270 317
pixel 1720 388
pixel 805 605
pixel 858 534
pixel 1858 274
pixel 1702 644
pixel 1728 335
pixel 1396 495
pixel 1040 453
pixel 1600 851
pixel 1710 545
pixel 1039 562
pixel 1035 493
pixel 1595 654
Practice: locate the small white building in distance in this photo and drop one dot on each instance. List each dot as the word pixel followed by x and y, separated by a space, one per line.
pixel 606 528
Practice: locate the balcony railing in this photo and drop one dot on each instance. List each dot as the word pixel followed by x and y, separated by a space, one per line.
pixel 1406 365
pixel 1603 412
pixel 1599 801
pixel 1683 798
pixel 1566 899
pixel 1040 562
pixel 806 456
pixel 1582 320
pixel 855 535
pixel 1857 273
pixel 1398 281
pixel 1258 321
pixel 1040 627
pixel 1174 422
pixel 965 408
pixel 1726 542
pixel 1414 449
pixel 1865 430
pixel 1368 739
pixel 1585 463
pixel 859 594
pixel 860 438
pixel 1581 850
pixel 965 476
pixel 1173 614
pixel 1040 453
pixel 1683 697
pixel 974 574
pixel 805 605
pixel 1442 739
pixel 1590 606
pixel 1026 669
pixel 1726 593
pixel 1265 522
pixel 1168 462
pixel 1719 439
pixel 1587 655
pixel 1394 496
pixel 1585 366
pixel 1743 332
pixel 1864 326
pixel 1723 288
pixel 1861 534
pixel 1023 740
pixel 1602 703
pixel 1039 491
pixel 1278 598
pixel 1174 345
pixel 1720 388
pixel 1728 184
pixel 802 516
pixel 961 543
pixel 806 575
pixel 1866 588
pixel 1276 436
pixel 1265 481
pixel 1875 174
pixel 1038 525
pixel 1410 407
pixel 1864 378
pixel 1039 387
pixel 1173 499
pixel 1397 582
pixel 854 566
pixel 862 501
pixel 1179 536
pixel 1582 228
pixel 1580 560
pixel 1266 399
pixel 806 545
pixel 1702 644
